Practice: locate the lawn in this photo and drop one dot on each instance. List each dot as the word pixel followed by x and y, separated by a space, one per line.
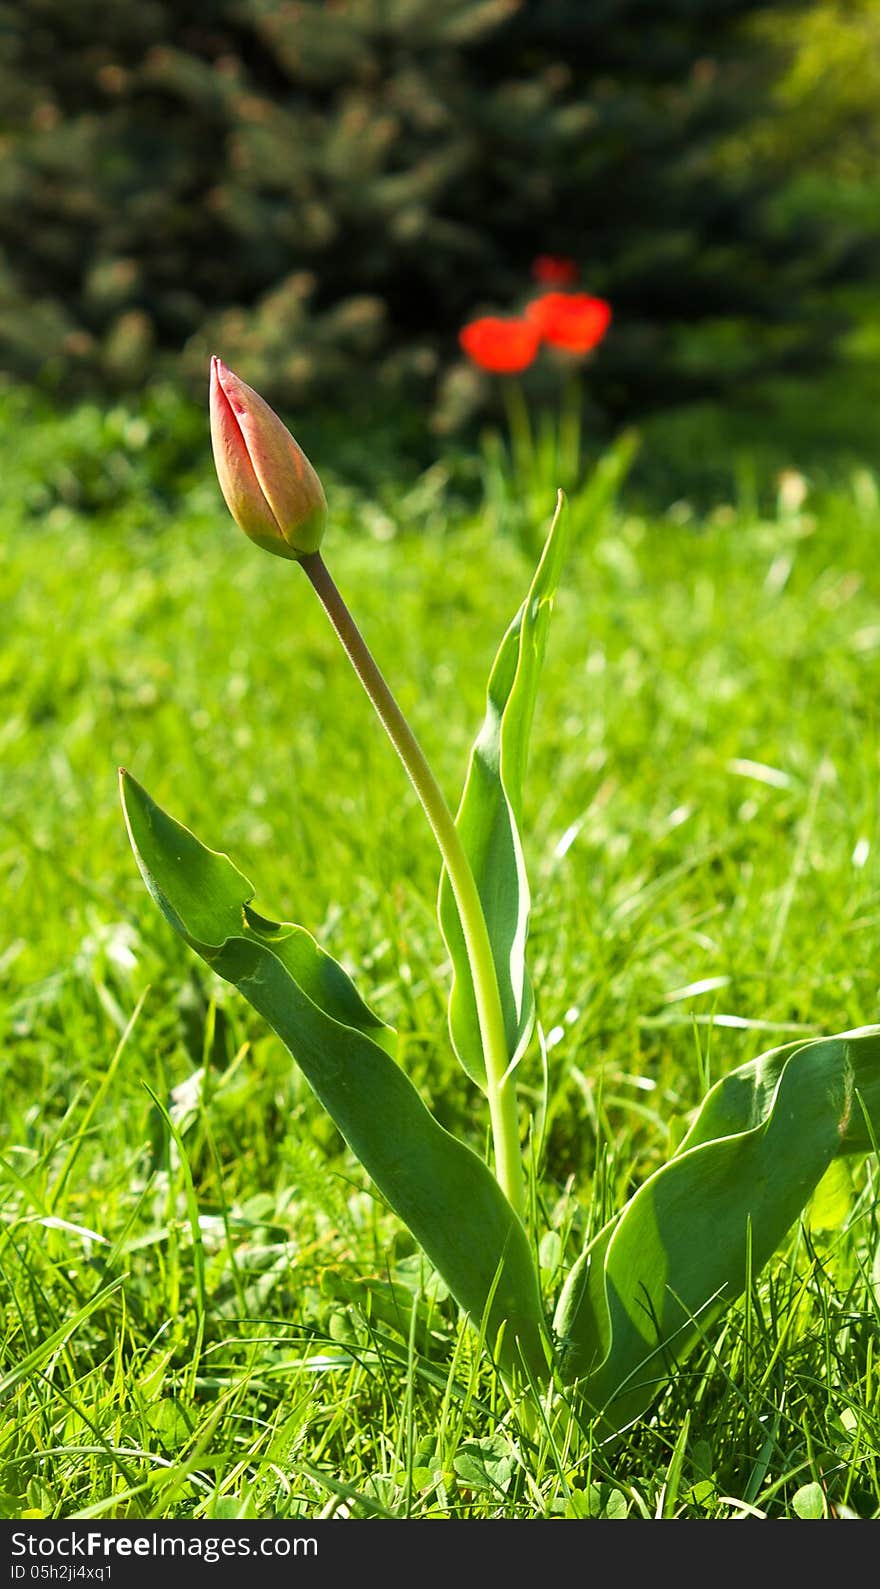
pixel 207 1312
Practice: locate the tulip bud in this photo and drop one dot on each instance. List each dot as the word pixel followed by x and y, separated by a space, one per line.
pixel 270 487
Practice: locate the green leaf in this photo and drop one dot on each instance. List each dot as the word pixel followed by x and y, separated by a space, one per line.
pixel 832 1199
pixel 657 1275
pixel 809 1501
pixel 488 823
pixel 486 1464
pixel 438 1186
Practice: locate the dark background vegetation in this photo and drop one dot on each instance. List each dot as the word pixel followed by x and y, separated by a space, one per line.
pixel 326 189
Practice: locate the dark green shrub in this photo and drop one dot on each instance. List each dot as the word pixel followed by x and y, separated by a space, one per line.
pixel 324 191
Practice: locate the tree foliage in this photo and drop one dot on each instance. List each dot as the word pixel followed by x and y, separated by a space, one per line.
pixel 324 191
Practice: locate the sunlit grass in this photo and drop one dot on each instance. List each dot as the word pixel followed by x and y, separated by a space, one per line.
pixel 207 1312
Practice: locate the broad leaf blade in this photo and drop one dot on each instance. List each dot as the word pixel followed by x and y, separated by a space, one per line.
pixel 438 1187
pixel 488 822
pixel 662 1269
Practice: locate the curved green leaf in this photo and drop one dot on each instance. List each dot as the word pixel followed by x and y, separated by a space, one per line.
pixel 438 1186
pixel 664 1267
pixel 488 824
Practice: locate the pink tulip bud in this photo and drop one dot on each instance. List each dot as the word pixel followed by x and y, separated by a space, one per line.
pixel 270 487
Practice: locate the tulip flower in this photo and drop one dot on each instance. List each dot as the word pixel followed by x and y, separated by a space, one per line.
pixel 270 488
pixel 552 271
pixel 573 321
pixel 504 347
pixel 275 496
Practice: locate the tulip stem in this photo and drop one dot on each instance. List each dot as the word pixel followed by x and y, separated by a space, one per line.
pixel 501 1087
pixel 522 447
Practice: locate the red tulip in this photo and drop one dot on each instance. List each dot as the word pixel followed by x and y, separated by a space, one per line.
pixel 503 346
pixel 572 321
pixel 553 271
pixel 270 487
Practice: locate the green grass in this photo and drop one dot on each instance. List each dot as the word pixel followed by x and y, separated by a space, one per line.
pixel 206 1312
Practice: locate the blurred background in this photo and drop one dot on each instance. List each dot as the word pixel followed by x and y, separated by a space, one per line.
pixel 323 191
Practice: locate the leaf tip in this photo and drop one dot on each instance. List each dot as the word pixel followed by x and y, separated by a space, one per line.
pixel 131 794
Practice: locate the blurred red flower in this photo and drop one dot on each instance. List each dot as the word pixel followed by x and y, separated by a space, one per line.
pixel 553 271
pixel 503 346
pixel 573 321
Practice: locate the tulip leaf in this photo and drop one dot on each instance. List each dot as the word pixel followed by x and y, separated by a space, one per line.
pixel 488 823
pixel 434 1183
pixel 657 1274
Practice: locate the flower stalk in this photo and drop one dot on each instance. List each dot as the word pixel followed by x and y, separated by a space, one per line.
pixel 500 1084
pixel 275 496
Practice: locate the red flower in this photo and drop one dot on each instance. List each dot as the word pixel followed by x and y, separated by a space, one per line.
pixel 503 346
pixel 270 487
pixel 553 271
pixel 572 321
